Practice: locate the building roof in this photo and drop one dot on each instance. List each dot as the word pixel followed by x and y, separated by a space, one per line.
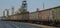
pixel 50 8
pixel 46 9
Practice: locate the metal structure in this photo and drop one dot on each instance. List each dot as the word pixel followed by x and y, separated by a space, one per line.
pixel 24 5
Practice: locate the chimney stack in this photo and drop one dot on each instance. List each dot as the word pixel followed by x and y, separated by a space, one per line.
pixel 37 9
pixel 12 10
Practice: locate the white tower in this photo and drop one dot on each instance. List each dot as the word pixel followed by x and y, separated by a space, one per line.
pixel 5 13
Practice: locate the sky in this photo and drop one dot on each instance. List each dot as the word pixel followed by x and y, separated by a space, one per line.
pixel 32 5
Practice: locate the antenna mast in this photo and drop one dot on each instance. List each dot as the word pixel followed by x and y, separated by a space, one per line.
pixel 43 5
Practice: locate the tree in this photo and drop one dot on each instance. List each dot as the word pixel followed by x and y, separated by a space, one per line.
pixel 24 11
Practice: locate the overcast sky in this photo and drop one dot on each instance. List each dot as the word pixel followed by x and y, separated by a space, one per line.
pixel 32 4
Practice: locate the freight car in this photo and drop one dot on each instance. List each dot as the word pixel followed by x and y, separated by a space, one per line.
pixel 11 18
pixel 23 17
pixel 47 16
pixel 42 16
pixel 33 16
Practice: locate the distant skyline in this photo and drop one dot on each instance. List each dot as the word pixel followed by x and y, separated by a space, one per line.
pixel 32 4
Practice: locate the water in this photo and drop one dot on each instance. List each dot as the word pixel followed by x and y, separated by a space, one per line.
pixel 8 24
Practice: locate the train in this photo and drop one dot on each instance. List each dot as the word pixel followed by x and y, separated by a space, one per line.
pixel 48 16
